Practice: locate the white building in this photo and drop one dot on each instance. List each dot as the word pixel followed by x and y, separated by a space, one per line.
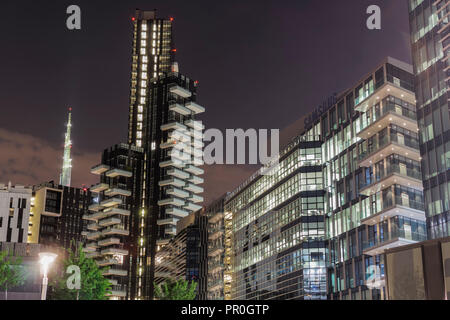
pixel 14 213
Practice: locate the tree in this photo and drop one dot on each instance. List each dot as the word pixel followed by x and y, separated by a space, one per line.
pixel 93 285
pixel 176 290
pixel 11 272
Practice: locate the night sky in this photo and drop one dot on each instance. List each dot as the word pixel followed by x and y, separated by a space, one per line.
pixel 260 64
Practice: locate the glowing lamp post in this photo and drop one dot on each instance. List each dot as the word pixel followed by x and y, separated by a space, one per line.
pixel 46 259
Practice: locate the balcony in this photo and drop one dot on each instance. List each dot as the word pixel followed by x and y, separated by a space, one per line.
pixel 391 240
pixel 192 207
pixel 193 188
pixel 107 262
pixel 117 192
pixel 180 109
pixel 177 212
pixel 195 198
pixel 172 163
pixel 92 227
pixel 119 173
pixel 118 211
pixel 115 272
pixel 177 193
pixel 96 216
pixel 391 114
pixel 93 255
pixel 171 201
pixel 394 174
pixel 118 293
pixel 115 251
pixel 88 217
pixel 162 242
pixel 196 125
pixel 173 126
pixel 95 207
pixel 93 235
pixel 99 169
pixel 115 230
pixel 180 91
pixel 108 242
pixel 92 245
pixel 170 221
pixel 99 187
pixel 215 234
pixel 214 251
pixel 109 222
pixel 171 230
pixel 178 173
pixel 111 202
pixel 196 109
pixel 180 155
pixel 387 89
pixel 216 217
pixel 172 182
pixel 399 206
pixel 194 170
pixel 196 180
pixel 401 145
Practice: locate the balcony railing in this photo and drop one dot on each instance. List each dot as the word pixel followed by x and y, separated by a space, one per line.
pixel 393 235
pixel 394 168
pixel 392 138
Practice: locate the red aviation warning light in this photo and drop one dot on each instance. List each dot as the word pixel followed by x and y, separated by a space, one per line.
pixel 171 18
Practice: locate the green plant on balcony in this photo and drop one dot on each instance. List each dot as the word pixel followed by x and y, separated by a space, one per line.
pixel 176 290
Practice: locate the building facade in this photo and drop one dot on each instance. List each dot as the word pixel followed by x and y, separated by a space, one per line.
pixel 56 217
pixel 429 27
pixel 15 204
pixel 277 245
pixel 184 256
pixel 216 249
pixel 161 121
pixel 113 221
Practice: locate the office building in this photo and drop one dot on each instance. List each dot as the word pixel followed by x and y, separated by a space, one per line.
pixel 347 188
pixel 419 271
pixel 184 256
pixel 429 27
pixel 56 215
pixel 15 203
pixel 276 246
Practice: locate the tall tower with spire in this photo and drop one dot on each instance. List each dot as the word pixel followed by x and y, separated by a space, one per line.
pixel 66 171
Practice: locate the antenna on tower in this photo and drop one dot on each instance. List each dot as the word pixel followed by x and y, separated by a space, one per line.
pixel 66 171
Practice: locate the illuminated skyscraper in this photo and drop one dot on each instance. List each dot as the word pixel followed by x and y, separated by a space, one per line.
pixel 161 118
pixel 66 171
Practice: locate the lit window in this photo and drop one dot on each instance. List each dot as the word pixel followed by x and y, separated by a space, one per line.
pixel 139 126
pixel 153 145
pixel 144 59
pixel 143 43
pixel 143 100
pixel 154 35
pixel 139 143
pixel 153 51
pixel 139 134
pixel 142 50
pixel 156 59
pixel 154 43
pixel 144 75
pixel 144 35
pixel 140 117
pixel 143 83
pixel 154 27
pixel 144 67
pixel 142 94
pixel 154 75
pixel 140 108
pixel 144 27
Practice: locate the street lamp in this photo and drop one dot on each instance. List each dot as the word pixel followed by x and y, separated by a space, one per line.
pixel 46 258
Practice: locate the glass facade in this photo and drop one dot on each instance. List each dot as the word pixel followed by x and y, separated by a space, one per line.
pixel 429 28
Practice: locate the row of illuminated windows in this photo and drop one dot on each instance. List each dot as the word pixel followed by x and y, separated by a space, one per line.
pixel 286 167
pixel 424 21
pixel 267 203
pixel 434 124
pixel 437 199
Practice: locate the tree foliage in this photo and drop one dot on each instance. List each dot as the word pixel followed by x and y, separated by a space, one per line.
pixel 94 286
pixel 11 273
pixel 176 290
